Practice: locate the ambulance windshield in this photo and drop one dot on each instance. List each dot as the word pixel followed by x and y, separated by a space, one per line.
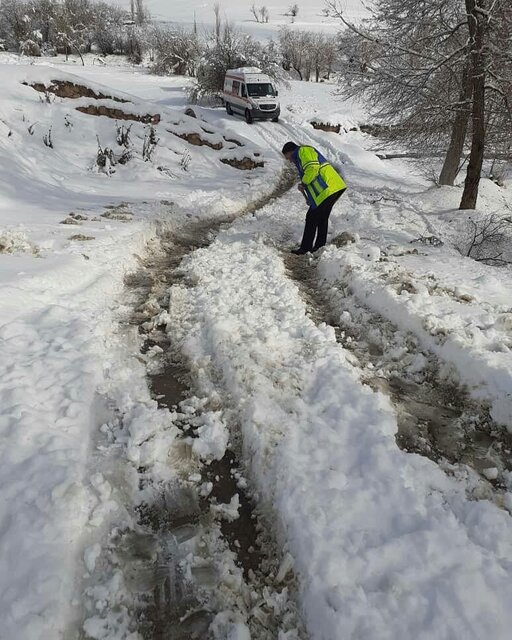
pixel 261 90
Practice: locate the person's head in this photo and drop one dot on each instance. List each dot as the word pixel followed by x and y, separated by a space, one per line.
pixel 288 150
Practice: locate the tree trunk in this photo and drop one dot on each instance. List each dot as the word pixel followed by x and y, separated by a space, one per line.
pixel 459 130
pixel 477 27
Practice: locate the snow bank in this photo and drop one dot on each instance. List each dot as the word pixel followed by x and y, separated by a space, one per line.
pixel 385 544
pixel 50 372
pixel 446 304
pixel 32 171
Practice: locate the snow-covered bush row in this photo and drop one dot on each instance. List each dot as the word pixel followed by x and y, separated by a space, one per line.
pixel 36 26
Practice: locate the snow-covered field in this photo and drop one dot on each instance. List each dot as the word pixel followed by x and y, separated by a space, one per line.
pixel 310 16
pixel 384 543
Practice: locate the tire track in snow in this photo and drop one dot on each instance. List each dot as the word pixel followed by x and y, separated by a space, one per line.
pixel 193 560
pixel 436 416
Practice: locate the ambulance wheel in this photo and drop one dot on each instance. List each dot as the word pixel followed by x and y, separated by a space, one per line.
pixel 229 110
pixel 248 116
pixel 276 119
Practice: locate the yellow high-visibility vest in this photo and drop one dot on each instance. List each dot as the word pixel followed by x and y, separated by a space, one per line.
pixel 318 176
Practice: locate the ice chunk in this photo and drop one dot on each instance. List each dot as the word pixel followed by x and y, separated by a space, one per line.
pixel 491 473
pixel 229 511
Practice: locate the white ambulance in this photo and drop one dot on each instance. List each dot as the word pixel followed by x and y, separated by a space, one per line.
pixel 251 93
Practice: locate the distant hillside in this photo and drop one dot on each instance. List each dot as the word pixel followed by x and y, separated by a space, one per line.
pixel 310 15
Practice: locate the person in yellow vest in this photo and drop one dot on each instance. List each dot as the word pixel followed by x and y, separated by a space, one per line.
pixel 322 186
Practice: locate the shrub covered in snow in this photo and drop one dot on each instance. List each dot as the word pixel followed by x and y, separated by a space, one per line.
pixel 15 242
pixel 30 48
pixel 33 26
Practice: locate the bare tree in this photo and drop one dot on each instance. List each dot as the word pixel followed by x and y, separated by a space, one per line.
pixel 218 20
pixel 293 10
pixel 306 52
pixel 295 47
pixel 426 67
pixel 324 53
pixel 142 15
pixel 255 12
pixel 478 20
pixel 409 60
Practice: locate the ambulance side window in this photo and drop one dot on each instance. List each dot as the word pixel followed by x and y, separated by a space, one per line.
pixel 236 86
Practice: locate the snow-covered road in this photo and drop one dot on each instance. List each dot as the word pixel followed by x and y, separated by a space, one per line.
pixel 373 542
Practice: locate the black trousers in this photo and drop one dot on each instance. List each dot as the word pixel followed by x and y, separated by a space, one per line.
pixel 317 223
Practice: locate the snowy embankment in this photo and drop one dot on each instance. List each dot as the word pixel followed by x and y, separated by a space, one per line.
pixel 70 231
pixel 385 544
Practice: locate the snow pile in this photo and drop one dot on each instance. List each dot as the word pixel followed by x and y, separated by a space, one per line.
pixel 385 544
pixel 212 437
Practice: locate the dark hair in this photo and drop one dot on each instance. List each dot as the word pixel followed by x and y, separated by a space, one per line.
pixel 289 146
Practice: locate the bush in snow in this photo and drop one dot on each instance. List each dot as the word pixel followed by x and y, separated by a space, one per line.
pixel 15 25
pixel 47 139
pixel 123 135
pixel 15 242
pixel 105 160
pixel 174 51
pixel 73 25
pixel 150 144
pixel 185 161
pixel 293 11
pixel 30 48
